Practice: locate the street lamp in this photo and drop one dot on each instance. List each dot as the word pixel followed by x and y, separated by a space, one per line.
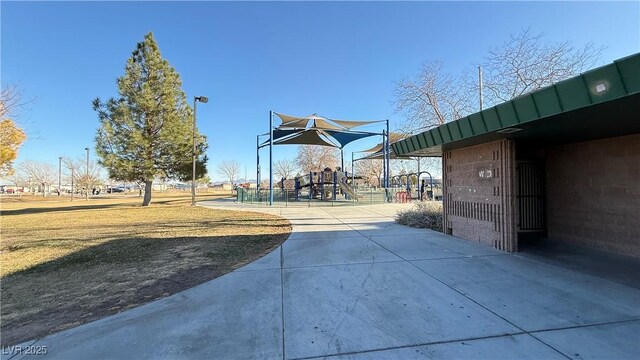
pixel 204 100
pixel 59 174
pixel 87 173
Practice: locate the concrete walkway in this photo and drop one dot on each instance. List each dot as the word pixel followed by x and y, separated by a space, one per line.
pixel 351 283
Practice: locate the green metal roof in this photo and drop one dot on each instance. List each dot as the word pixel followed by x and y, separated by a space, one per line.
pixel 573 109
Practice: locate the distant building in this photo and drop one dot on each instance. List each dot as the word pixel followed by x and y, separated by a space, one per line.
pixel 225 186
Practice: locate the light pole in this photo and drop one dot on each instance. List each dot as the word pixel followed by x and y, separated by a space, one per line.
pixel 87 174
pixel 257 164
pixel 387 157
pixel 270 158
pixel 59 175
pixel 204 100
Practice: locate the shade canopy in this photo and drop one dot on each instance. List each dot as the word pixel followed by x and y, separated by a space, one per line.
pixel 317 130
pixel 319 122
pixel 345 137
pixel 393 137
pixel 281 133
pixel 379 155
pixel 314 130
pixel 350 124
pixel 306 137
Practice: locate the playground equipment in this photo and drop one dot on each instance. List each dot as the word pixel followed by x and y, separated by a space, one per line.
pixel 413 182
pixel 323 185
pixel 318 130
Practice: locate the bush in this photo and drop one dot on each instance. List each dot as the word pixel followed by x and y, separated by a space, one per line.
pixel 424 215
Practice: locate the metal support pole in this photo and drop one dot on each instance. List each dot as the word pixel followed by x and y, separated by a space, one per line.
pixel 270 158
pixel 418 180
pixel 257 162
pixel 193 165
pixel 321 185
pixel 335 185
pixel 433 197
pixel 342 159
pixel 59 175
pixel 310 185
pixel 386 180
pixel 480 85
pixel 353 171
pixel 384 158
pixel 204 100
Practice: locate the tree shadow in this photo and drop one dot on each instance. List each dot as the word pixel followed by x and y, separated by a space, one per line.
pixel 117 275
pixel 58 209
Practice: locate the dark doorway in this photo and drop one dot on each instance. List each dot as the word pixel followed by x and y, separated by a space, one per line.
pixel 531 201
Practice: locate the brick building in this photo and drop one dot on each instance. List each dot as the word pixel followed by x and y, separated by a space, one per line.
pixel 561 163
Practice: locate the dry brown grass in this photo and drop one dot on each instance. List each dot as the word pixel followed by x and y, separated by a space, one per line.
pixel 427 214
pixel 66 263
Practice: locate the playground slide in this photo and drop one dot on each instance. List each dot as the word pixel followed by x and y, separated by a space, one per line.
pixel 347 189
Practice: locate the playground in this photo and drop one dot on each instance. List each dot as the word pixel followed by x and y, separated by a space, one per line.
pixel 336 187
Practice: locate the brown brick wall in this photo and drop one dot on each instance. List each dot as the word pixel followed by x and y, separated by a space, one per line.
pixel 593 193
pixel 478 183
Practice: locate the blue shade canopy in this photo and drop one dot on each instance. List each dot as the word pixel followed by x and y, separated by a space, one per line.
pixel 306 137
pixel 345 137
pixel 280 133
pixel 317 130
pixel 315 136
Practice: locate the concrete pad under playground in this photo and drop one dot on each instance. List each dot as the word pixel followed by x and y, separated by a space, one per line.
pixel 349 283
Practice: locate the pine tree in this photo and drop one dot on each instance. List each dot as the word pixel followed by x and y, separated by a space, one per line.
pixel 147 131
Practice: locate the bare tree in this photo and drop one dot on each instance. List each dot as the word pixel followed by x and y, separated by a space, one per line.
pixel 81 178
pixel 39 173
pixel 523 64
pixel 370 169
pixel 18 178
pixel 11 102
pixel 317 158
pixel 403 166
pixel 526 63
pixel 230 169
pixel 285 168
pixel 431 98
pixel 433 165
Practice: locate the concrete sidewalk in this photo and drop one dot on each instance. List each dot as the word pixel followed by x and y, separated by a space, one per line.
pixel 351 283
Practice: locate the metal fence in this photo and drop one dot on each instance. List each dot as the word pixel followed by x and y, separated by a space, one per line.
pixel 305 197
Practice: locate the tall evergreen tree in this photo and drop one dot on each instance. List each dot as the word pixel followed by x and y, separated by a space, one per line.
pixel 147 131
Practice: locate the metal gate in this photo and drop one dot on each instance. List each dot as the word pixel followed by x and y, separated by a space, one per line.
pixel 531 194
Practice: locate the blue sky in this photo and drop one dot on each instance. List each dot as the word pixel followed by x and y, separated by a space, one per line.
pixel 335 59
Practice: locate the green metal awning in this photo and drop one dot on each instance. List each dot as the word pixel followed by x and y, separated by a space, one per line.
pixel 604 102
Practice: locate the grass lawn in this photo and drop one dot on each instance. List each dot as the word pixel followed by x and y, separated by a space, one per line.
pixel 66 263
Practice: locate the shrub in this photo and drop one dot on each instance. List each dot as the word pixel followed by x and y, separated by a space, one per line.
pixel 424 215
